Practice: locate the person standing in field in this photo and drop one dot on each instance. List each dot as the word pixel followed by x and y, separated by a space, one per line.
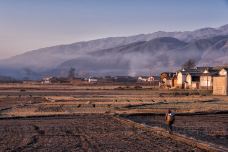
pixel 170 118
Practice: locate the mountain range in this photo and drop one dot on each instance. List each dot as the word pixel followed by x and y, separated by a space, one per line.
pixel 142 54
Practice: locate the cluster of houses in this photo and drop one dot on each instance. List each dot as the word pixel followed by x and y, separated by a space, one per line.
pixel 105 79
pixel 153 80
pixel 211 78
pixel 148 78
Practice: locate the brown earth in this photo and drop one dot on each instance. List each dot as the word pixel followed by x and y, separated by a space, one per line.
pixel 94 127
pixel 81 133
pixel 209 127
pixel 47 102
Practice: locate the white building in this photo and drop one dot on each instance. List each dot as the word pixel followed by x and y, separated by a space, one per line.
pixel 148 79
pixel 193 80
pixel 46 80
pixel 142 79
pixel 220 83
pixel 92 80
pixel 181 78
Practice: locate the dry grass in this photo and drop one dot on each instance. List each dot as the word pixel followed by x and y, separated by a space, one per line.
pixel 96 100
pixel 93 105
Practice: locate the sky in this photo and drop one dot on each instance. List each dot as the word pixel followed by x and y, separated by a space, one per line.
pixel 31 24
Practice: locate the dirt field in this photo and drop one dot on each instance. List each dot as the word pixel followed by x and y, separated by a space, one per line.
pixel 212 127
pixel 47 102
pixel 94 127
pixel 81 133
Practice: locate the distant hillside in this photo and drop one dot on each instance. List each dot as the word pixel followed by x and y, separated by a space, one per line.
pixel 154 56
pixel 145 53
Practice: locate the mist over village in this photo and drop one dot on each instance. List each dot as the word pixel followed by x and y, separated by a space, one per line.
pixel 132 75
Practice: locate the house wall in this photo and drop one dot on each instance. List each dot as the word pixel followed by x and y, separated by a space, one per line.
pixel 192 84
pixel 206 82
pixel 189 79
pixel 174 82
pixel 220 84
pixel 180 79
pixel 195 85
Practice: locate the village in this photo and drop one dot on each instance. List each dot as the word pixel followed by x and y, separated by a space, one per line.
pixel 209 78
pixel 56 105
pixel 114 76
pixel 198 78
pixel 132 108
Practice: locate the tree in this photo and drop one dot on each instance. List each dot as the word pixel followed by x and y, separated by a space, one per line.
pixel 189 64
pixel 71 73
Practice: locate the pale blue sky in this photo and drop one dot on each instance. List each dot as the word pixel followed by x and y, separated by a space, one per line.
pixel 32 24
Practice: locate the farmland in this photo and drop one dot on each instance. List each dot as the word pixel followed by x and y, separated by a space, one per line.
pixel 96 118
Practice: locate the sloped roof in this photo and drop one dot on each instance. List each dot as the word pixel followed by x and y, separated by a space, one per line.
pixel 225 68
pixel 195 74
pixel 199 71
pixel 190 71
pixel 210 74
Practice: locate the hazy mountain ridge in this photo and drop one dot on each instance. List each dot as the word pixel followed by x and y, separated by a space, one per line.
pixel 159 51
pixel 156 55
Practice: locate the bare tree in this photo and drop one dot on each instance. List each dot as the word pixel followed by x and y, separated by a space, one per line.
pixel 189 64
